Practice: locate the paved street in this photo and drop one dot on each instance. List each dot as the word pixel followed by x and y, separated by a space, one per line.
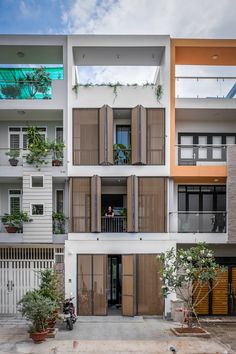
pixel 107 335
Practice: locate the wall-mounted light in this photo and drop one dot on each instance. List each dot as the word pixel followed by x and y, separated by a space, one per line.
pixel 216 180
pixel 118 56
pixel 83 56
pixel 20 54
pixel 215 56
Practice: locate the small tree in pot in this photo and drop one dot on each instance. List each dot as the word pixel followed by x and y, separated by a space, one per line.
pixel 14 222
pixel 37 309
pixel 13 156
pixel 57 152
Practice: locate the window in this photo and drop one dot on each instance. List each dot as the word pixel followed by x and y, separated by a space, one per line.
pixel 123 135
pixel 18 137
pixel 37 209
pixel 59 134
pixel 59 201
pixel 14 201
pixel 36 181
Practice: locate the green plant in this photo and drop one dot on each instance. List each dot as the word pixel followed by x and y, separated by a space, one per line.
pixel 57 150
pixel 37 81
pixel 121 154
pixel 11 91
pixel 58 223
pixel 49 286
pixel 13 153
pixel 158 92
pixel 38 148
pixel 15 219
pixel 37 309
pixel 186 272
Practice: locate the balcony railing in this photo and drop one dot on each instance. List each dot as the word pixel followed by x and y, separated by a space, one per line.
pixel 205 87
pixel 60 227
pixel 24 91
pixel 122 156
pixel 198 222
pixel 201 155
pixel 17 157
pixel 114 224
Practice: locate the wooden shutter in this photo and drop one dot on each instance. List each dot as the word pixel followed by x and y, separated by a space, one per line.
pixel 106 136
pixel 220 294
pixel 155 136
pixel 85 136
pixel 99 285
pixel 132 204
pixel 138 136
pixel 84 285
pixel 149 297
pixel 81 204
pixel 128 285
pixel 95 204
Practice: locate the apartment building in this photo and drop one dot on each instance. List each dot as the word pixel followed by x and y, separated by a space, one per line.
pixel 161 155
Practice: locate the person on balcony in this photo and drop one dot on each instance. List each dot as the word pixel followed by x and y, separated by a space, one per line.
pixel 109 221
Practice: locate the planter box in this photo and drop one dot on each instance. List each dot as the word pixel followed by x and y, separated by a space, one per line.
pixel 190 332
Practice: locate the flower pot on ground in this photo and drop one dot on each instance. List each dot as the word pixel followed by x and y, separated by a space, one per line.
pixel 13 156
pixel 37 309
pixel 14 222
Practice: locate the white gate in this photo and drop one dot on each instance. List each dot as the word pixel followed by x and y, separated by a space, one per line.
pixel 17 277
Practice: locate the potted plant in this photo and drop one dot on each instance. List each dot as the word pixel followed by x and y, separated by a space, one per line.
pixel 11 91
pixel 38 148
pixel 49 287
pixel 37 309
pixel 57 151
pixel 14 222
pixel 58 223
pixel 121 154
pixel 13 156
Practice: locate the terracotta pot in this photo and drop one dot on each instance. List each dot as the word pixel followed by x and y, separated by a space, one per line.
pixel 56 163
pixel 11 229
pixel 39 337
pixel 51 323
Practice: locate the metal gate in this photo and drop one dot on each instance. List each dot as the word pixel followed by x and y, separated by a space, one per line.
pixel 17 276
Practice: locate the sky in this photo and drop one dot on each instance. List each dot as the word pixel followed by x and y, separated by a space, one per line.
pixel 178 18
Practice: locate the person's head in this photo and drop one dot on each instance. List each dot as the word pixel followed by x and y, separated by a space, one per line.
pixel 109 208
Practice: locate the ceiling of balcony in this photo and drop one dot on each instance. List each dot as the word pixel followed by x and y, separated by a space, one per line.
pixel 30 115
pixel 29 54
pixel 132 56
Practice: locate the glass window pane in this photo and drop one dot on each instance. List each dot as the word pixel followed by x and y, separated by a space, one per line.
pixel 36 181
pixel 14 205
pixel 202 151
pixel 230 140
pixel 217 152
pixel 186 153
pixel 207 202
pixel 37 209
pixel 193 202
pixel 123 135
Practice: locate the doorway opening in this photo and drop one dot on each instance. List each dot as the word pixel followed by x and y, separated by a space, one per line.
pixel 114 285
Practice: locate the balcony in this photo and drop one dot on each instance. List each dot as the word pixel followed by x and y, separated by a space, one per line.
pixel 198 222
pixel 201 155
pixel 205 87
pixel 122 156
pixel 114 224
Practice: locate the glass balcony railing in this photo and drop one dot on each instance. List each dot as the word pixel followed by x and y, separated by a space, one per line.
pixel 114 224
pixel 205 87
pixel 18 157
pixel 197 155
pixel 198 222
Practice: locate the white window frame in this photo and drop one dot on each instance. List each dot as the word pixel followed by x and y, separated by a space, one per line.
pixel 59 126
pixel 14 195
pixel 21 133
pixel 31 209
pixel 40 175
pixel 59 189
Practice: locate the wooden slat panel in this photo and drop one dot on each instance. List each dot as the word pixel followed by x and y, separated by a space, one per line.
pixel 106 135
pixel 220 295
pixel 81 204
pixel 155 136
pixel 138 136
pixel 99 285
pixel 201 293
pixel 132 204
pixel 150 299
pixel 95 204
pixel 84 284
pixel 128 285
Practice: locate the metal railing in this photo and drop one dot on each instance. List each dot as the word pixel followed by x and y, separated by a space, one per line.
pixel 60 227
pixel 114 224
pixel 205 87
pixel 18 157
pixel 23 91
pixel 201 155
pixel 198 222
pixel 85 157
pixel 122 156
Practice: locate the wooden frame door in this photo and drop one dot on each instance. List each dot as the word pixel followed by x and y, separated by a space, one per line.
pixel 128 285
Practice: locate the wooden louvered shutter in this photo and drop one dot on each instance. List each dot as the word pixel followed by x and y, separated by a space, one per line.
pixel 95 204
pixel 106 136
pixel 128 285
pixel 200 292
pixel 220 294
pixel 138 136
pixel 132 204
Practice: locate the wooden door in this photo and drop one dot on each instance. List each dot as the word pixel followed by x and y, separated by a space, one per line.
pixel 99 285
pixel 128 285
pixel 220 294
pixel 106 135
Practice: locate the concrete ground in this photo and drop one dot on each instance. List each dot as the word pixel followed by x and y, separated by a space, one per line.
pixel 112 334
